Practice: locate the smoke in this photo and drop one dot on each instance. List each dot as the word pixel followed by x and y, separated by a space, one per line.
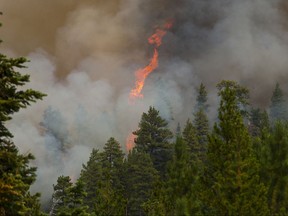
pixel 83 54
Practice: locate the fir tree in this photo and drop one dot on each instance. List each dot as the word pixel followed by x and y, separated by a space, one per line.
pixel 278 110
pixel 201 122
pixel 202 130
pixel 111 187
pixel 153 138
pixel 182 176
pixel 259 121
pixel 15 174
pixel 102 176
pixel 91 176
pixel 274 167
pixel 189 136
pixel 68 198
pixel 231 175
pixel 140 179
pixel 202 98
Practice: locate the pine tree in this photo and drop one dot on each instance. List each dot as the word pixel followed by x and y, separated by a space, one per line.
pixel 140 179
pixel 68 198
pixel 259 121
pixel 15 174
pixel 190 137
pixel 274 167
pixel 153 138
pixel 202 98
pixel 278 110
pixel 201 122
pixel 202 130
pixel 102 176
pixel 111 188
pixel 182 176
pixel 231 176
pixel 91 176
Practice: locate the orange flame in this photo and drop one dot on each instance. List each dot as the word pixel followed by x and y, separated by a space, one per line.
pixel 130 142
pixel 141 74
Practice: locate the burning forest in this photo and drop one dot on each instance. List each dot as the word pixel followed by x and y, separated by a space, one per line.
pixel 140 107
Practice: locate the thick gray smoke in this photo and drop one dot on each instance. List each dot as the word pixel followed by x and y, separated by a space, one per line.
pixel 83 54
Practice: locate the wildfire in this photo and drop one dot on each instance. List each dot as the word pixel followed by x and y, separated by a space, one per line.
pixel 141 74
pixel 130 142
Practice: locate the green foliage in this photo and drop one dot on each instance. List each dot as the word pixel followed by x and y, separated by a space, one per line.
pixel 153 138
pixel 12 99
pixel 278 107
pixel 201 123
pixel 202 98
pixel 15 174
pixel 181 182
pixel 259 121
pixel 140 179
pixel 91 175
pixel 202 130
pixel 274 167
pixel 102 176
pixel 190 137
pixel 231 175
pixel 68 198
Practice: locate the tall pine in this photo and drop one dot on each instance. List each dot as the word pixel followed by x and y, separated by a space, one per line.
pixel 278 107
pixel 180 187
pixel 102 176
pixel 274 167
pixel 153 138
pixel 16 176
pixel 231 176
pixel 201 122
pixel 140 179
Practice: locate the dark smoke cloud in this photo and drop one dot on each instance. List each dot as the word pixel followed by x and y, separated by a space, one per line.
pixel 84 53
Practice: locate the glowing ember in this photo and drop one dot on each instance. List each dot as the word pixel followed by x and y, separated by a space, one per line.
pixel 141 74
pixel 130 142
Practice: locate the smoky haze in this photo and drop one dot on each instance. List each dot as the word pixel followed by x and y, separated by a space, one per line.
pixel 83 54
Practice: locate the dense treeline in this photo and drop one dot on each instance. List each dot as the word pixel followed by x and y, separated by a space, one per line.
pixel 238 166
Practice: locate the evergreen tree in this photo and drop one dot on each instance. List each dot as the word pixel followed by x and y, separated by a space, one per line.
pixel 201 122
pixel 15 174
pixel 180 191
pixel 278 110
pixel 140 179
pixel 91 176
pixel 231 175
pixel 111 199
pixel 202 130
pixel 68 198
pixel 189 136
pixel 178 130
pixel 259 121
pixel 274 167
pixel 202 98
pixel 153 138
pixel 112 162
pixel 102 177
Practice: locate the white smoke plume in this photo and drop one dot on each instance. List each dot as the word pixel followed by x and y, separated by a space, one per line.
pixel 83 54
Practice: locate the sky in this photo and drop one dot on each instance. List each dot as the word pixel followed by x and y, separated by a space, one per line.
pixel 83 55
